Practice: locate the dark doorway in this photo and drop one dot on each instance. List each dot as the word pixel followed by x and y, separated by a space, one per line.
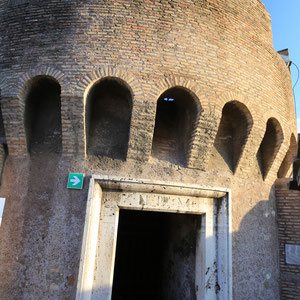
pixel 155 256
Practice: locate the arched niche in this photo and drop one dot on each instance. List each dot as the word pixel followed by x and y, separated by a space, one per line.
pixel 42 119
pixel 269 146
pixel 288 159
pixel 233 131
pixel 175 122
pixel 107 118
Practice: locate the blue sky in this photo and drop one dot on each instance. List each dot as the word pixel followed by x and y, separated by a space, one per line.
pixel 286 34
pixel 2 202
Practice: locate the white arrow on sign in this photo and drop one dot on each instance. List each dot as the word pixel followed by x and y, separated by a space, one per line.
pixel 75 180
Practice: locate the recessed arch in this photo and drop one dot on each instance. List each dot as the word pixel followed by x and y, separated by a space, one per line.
pixel 23 84
pixel 176 119
pixel 269 146
pixel 107 118
pixel 42 115
pixel 233 131
pixel 288 159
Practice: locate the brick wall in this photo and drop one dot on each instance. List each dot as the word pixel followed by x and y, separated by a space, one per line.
pixel 288 212
pixel 218 50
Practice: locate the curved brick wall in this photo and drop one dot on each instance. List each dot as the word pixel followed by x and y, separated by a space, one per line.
pixel 215 47
pixel 219 50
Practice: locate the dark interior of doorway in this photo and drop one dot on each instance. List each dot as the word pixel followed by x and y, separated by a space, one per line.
pixel 155 256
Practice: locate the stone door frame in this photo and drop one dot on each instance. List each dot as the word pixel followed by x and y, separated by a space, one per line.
pixel 107 195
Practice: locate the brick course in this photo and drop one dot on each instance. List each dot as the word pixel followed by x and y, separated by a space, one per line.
pixel 288 207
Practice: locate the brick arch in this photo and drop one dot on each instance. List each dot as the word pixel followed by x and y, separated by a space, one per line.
pixel 280 119
pixel 247 162
pixel 244 108
pixel 233 96
pixel 24 81
pixel 22 86
pixel 84 85
pixel 13 100
pixel 174 81
pixel 189 87
pixel 192 92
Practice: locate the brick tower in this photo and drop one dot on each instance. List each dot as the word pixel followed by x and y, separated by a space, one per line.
pixel 182 96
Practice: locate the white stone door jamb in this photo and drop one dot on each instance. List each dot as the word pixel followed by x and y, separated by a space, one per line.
pixel 107 195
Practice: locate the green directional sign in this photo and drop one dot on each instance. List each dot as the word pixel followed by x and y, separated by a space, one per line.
pixel 75 181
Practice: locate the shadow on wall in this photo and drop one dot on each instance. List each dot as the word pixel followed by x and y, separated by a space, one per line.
pixel 255 253
pixel 41 232
pixel 49 240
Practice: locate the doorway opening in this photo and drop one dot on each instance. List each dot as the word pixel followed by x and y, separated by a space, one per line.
pixel 156 256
